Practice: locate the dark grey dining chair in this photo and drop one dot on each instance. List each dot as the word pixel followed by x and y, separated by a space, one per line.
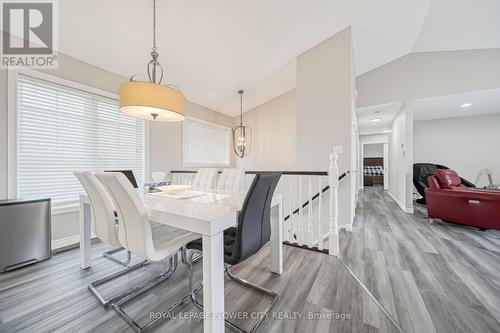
pixel 252 232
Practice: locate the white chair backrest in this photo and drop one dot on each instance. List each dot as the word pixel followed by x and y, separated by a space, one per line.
pixel 135 229
pixel 103 208
pixel 158 176
pixel 230 179
pixel 205 178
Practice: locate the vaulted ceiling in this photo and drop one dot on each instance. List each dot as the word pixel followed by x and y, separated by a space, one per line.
pixel 210 49
pixel 473 103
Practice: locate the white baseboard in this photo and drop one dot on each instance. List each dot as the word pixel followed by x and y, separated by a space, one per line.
pixel 66 241
pixel 400 204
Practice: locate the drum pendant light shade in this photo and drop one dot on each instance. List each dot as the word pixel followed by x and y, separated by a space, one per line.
pixel 151 101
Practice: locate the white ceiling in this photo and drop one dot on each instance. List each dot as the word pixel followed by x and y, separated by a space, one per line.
pixel 210 49
pixel 386 112
pixel 449 106
pixel 460 25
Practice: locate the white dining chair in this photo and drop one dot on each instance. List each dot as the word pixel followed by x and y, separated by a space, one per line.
pixel 105 227
pixel 205 178
pixel 230 179
pixel 158 176
pixel 136 235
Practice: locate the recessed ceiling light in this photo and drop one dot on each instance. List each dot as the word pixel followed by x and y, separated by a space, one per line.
pixel 374 120
pixel 465 105
pixel 387 131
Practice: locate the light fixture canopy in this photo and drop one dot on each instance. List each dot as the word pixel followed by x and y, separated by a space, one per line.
pixel 242 135
pixel 466 105
pixel 152 100
pixel 374 120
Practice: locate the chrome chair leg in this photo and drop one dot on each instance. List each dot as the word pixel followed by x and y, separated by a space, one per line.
pixel 109 255
pixel 92 286
pixel 118 306
pixel 192 291
pixel 255 287
pixel 243 282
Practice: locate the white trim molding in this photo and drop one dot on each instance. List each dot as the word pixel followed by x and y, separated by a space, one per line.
pixel 67 241
pixel 12 133
pixel 400 204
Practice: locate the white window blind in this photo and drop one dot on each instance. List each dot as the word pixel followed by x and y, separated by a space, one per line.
pixel 205 143
pixel 61 130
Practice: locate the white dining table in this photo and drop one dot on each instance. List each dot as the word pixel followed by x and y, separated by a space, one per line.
pixel 209 215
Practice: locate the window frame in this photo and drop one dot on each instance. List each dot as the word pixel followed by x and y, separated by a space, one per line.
pixel 12 128
pixel 229 148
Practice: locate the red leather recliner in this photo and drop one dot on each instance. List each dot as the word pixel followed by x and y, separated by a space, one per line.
pixel 449 200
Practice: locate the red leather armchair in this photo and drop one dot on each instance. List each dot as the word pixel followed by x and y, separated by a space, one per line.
pixel 449 200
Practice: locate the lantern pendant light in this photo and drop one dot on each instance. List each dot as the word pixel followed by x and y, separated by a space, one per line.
pixel 151 100
pixel 242 135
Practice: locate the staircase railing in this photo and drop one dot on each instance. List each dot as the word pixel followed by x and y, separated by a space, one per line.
pixel 310 204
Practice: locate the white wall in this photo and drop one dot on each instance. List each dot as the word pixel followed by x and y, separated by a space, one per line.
pixel 325 95
pixel 467 145
pixel 382 138
pixel 274 132
pixel 427 74
pixel 373 150
pixel 165 139
pixel 397 186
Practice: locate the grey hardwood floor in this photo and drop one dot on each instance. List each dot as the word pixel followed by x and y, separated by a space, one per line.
pixel 52 296
pixel 430 278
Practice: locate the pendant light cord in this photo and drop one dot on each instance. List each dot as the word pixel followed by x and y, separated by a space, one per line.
pixel 154 25
pixel 241 106
pixel 154 64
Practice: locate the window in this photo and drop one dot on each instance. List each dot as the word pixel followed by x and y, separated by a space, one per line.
pixel 61 129
pixel 205 143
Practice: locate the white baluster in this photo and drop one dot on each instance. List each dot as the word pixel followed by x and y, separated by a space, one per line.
pixel 300 235
pixel 309 218
pixel 290 209
pixel 333 181
pixel 320 205
pixel 287 222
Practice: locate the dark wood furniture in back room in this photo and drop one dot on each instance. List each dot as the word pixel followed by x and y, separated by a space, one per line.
pixel 373 171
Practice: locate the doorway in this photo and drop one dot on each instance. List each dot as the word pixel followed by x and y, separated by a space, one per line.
pixel 375 164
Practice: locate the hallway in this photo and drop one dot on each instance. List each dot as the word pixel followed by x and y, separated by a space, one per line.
pixel 429 278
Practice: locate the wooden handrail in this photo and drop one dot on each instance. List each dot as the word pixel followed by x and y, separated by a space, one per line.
pixel 296 173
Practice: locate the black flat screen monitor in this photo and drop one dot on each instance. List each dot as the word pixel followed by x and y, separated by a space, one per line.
pixel 129 174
